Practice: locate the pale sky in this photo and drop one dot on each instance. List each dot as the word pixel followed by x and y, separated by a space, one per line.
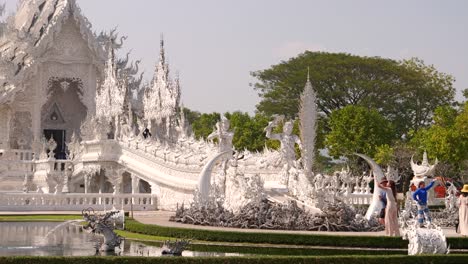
pixel 215 44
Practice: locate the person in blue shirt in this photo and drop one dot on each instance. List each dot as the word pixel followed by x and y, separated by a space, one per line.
pixel 383 199
pixel 420 196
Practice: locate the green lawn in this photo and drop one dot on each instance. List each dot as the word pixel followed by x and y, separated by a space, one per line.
pixel 38 218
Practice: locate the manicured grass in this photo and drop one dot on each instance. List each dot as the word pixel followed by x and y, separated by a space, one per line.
pixel 280 238
pixel 142 237
pixel 38 218
pixel 400 259
pixel 266 238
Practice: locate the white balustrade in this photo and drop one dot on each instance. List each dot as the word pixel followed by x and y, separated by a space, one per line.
pixel 75 201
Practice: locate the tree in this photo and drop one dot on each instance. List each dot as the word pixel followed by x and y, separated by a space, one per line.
pixel 356 129
pixel 205 124
pixel 427 89
pixel 447 139
pixel 248 131
pixel 340 79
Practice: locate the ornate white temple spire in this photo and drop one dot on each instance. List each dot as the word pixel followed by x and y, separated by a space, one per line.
pixel 111 96
pixel 162 97
pixel 308 120
pixel 162 58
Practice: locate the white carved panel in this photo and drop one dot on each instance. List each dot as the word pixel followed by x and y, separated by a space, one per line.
pixel 69 44
pixel 21 133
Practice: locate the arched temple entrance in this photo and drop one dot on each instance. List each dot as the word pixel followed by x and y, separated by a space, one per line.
pixel 63 112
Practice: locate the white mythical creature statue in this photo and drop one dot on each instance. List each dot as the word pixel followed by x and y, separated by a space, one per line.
pixel 423 240
pixel 103 224
pixel 425 169
pixel 423 173
pixel 288 141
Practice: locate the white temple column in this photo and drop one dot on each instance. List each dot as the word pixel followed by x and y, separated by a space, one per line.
pixel 135 184
pixel 87 181
pixel 155 193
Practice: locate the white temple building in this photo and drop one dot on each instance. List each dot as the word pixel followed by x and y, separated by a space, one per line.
pixel 72 117
pixel 55 73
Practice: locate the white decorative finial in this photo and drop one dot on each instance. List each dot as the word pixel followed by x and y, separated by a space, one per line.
pixel 162 59
pixel 425 161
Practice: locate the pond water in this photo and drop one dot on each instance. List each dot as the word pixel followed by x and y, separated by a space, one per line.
pixel 58 239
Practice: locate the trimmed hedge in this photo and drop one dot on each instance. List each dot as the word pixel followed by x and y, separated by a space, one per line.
pixel 280 238
pixel 284 251
pixel 425 259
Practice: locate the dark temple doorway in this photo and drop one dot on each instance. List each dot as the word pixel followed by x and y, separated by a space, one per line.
pixel 59 137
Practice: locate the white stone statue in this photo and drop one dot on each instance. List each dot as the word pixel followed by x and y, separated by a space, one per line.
pixel 423 240
pixel 424 169
pixel 224 137
pixel 423 173
pixel 451 198
pixel 126 129
pixel 51 146
pixel 287 150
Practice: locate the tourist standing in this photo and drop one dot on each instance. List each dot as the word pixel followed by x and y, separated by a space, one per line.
pixel 391 210
pixel 383 199
pixel 420 196
pixel 463 211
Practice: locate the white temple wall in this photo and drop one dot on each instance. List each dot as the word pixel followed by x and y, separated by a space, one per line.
pixel 20 123
pixel 169 199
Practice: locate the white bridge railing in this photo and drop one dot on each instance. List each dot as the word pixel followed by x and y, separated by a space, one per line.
pixel 75 201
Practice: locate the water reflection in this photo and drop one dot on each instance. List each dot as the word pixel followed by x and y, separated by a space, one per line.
pixel 35 239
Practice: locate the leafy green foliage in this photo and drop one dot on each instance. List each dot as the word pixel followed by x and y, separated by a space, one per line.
pixel 447 139
pixel 248 131
pixel 384 154
pixel 355 129
pixel 427 89
pixel 204 124
pixel 405 93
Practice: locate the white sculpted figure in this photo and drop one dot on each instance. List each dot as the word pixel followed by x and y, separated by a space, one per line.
pixel 223 134
pixel 126 129
pixel 451 199
pixel 288 141
pixel 51 146
pixel 224 137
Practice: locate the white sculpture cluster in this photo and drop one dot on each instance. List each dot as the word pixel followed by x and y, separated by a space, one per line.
pixel 104 224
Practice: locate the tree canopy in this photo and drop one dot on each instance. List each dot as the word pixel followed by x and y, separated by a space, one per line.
pixel 356 129
pixel 447 138
pixel 405 92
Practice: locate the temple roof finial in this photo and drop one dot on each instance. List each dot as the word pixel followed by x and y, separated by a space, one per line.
pixel 161 50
